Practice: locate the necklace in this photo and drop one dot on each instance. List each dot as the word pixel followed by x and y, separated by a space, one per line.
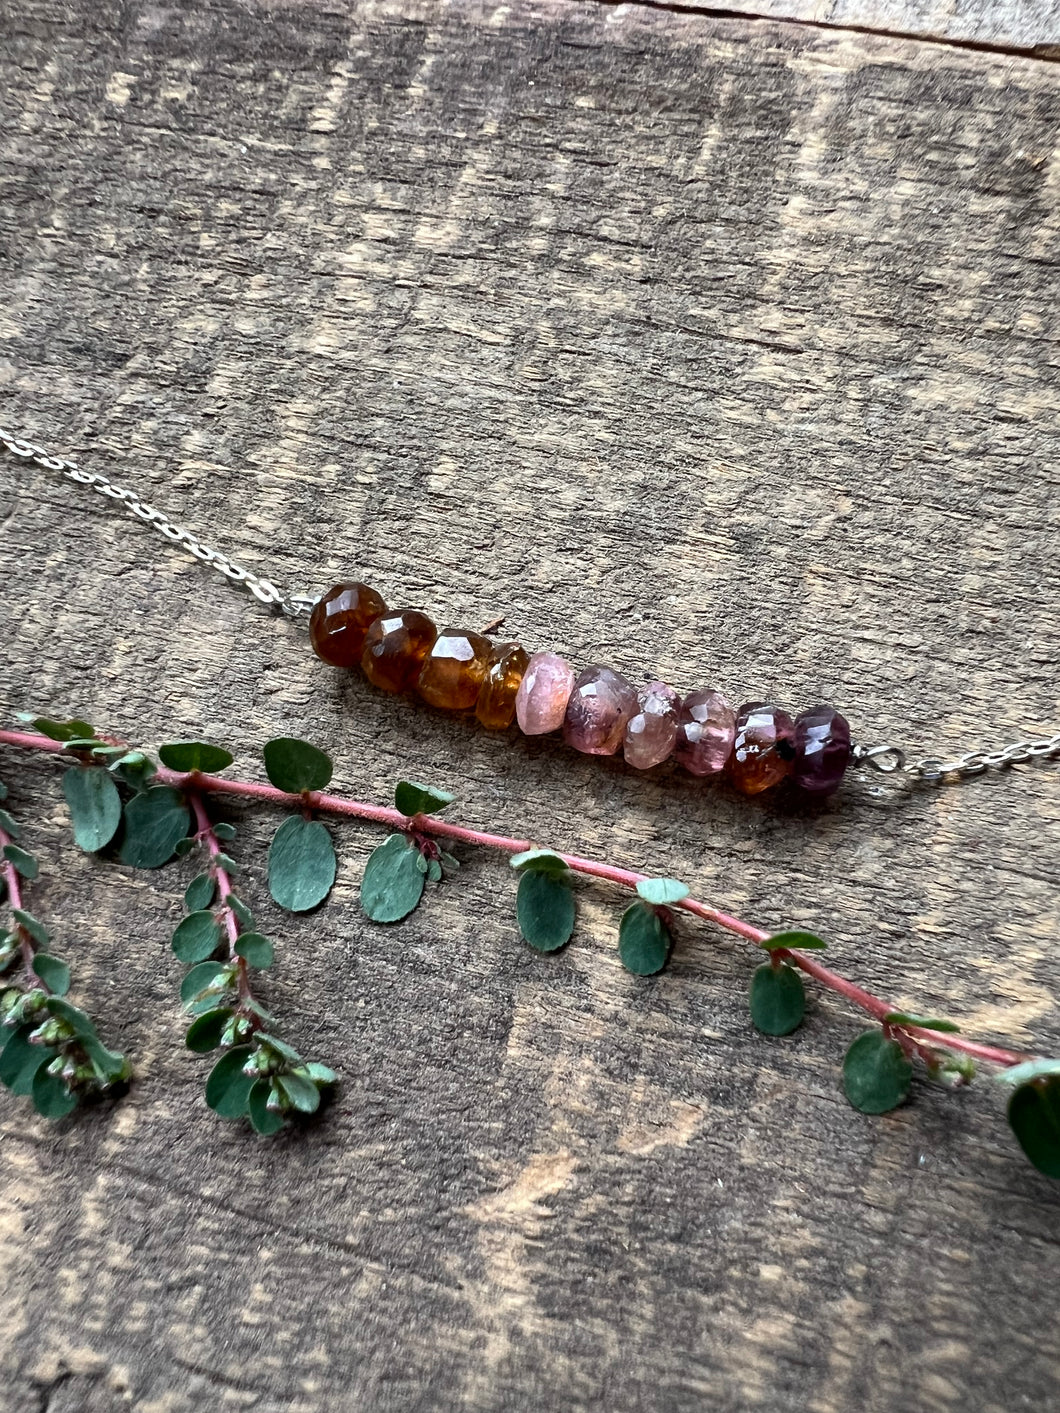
pixel 756 746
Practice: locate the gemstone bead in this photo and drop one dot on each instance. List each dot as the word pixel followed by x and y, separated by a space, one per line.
pixel 652 729
pixel 395 647
pixel 541 700
pixel 706 729
pixel 339 622
pixel 822 750
pixel 601 703
pixel 454 669
pixel 495 707
pixel 763 749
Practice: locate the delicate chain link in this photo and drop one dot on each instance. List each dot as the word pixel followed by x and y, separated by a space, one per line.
pixel 294 605
pixel 891 760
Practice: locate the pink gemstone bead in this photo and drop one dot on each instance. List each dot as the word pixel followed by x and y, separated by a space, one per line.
pixel 541 700
pixel 706 729
pixel 652 729
pixel 600 705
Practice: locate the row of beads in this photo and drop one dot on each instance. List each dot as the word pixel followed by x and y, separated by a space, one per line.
pixel 599 711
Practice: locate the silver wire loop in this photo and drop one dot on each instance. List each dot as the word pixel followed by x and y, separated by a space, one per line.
pixel 891 760
pixel 264 590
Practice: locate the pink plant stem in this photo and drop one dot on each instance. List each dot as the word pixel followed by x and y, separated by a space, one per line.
pixel 627 878
pixel 14 898
pixel 205 831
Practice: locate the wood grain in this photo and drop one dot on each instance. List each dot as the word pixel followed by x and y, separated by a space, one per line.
pixel 715 350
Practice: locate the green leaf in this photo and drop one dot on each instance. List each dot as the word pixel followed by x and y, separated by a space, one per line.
pixel 194 755
pixel 294 765
pixel 240 911
pixel 134 769
pixel 320 1074
pixel 24 863
pixel 3 791
pixel 434 871
pixel 78 1021
pixel 20 1060
pixel 1034 1115
pixel 9 825
pixel 944 1027
pixel 545 908
pixel 794 941
pixel 412 798
pixel 51 1098
pixel 1030 1069
pixel 85 743
pixel 301 864
pixel 392 884
pixel 300 1090
pixel 264 1120
pixel 58 730
pixel 155 822
pixel 778 999
pixel 199 893
pixel 36 930
pixel 205 1031
pixel 227 1087
pixel 644 940
pixel 196 937
pixel 224 831
pixel 255 948
pixel 876 1073
pixel 108 1065
pixel 185 846
pixel 280 1047
pixel 662 890
pixel 226 862
pixel 201 978
pixel 542 859
pixel 95 805
pixel 54 973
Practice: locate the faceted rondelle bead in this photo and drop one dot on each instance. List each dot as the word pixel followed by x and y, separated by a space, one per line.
pixel 541 700
pixel 652 729
pixel 339 622
pixel 764 748
pixel 454 669
pixel 706 729
pixel 601 703
pixel 495 707
pixel 822 750
pixel 395 647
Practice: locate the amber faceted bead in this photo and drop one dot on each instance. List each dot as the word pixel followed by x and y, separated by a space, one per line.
pixel 395 647
pixel 339 622
pixel 764 747
pixel 495 707
pixel 454 669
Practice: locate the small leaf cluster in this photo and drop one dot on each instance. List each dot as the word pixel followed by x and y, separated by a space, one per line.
pixel 302 862
pixel 399 868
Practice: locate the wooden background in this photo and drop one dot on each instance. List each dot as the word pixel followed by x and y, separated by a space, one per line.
pixel 703 345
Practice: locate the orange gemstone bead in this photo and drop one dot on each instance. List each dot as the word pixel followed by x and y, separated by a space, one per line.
pixel 495 708
pixel 764 748
pixel 395 647
pixel 339 622
pixel 454 670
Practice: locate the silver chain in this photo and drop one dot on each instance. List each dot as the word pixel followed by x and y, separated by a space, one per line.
pixel 294 605
pixel 890 760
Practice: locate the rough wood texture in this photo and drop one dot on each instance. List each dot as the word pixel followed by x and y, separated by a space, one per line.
pixel 715 350
pixel 1020 24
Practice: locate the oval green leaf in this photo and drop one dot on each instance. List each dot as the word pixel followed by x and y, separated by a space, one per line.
pixel 200 979
pixel 20 1060
pixel 255 948
pixel 301 864
pixel 74 730
pixel 392 884
pixel 644 940
pixel 661 891
pixel 542 859
pixel 54 973
pixel 944 1027
pixel 95 806
pixel 295 765
pixel 227 1087
pixel 1034 1115
pixel 23 863
pixel 155 822
pixel 80 1023
pixel 205 1031
pixel 413 798
pixel 794 941
pixel 36 929
pixel 300 1090
pixel 545 908
pixel 199 893
pixel 194 755
pixel 196 937
pixel 1030 1069
pixel 51 1098
pixel 778 999
pixel 264 1120
pixel 876 1073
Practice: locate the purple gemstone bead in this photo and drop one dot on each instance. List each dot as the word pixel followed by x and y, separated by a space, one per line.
pixel 822 750
pixel 600 705
pixel 706 728
pixel 652 729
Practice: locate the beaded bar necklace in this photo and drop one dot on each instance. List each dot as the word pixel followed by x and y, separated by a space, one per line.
pixel 757 746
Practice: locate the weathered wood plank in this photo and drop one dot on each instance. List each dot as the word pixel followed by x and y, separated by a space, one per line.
pixel 720 351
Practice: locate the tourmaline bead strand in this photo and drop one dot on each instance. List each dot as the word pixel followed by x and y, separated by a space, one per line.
pixel 599 711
